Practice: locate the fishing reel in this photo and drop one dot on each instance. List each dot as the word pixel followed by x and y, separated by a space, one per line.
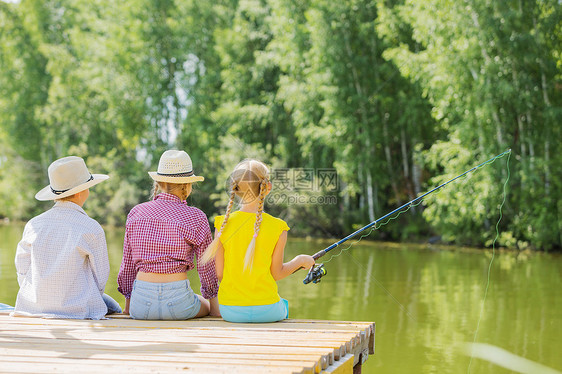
pixel 315 273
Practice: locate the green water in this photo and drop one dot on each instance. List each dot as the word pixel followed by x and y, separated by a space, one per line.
pixel 425 301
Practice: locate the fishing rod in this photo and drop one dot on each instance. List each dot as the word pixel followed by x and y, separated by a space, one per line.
pixel 318 271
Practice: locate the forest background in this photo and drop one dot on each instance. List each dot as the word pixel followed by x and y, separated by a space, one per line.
pixel 390 97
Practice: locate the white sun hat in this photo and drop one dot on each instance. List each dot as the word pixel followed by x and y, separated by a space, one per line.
pixel 175 167
pixel 67 176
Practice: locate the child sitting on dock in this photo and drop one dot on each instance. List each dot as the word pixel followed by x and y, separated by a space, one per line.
pixel 62 262
pixel 162 237
pixel 248 251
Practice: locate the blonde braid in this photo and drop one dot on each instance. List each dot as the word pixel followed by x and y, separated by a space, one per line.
pixel 228 210
pixel 229 206
pixel 155 190
pixel 263 190
pixel 183 192
pixel 212 249
pixel 249 258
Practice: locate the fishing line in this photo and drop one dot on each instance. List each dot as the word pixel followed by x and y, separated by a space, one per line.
pixel 397 212
pixel 490 265
pixel 373 228
pixel 408 206
pixel 438 189
pixel 377 282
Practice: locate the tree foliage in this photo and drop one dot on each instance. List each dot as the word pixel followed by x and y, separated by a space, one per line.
pixel 396 96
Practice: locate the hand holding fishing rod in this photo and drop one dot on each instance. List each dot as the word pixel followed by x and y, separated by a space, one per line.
pixel 317 271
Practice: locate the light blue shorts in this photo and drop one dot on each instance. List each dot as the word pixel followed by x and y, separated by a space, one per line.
pixel 111 304
pixel 6 308
pixel 256 313
pixel 163 301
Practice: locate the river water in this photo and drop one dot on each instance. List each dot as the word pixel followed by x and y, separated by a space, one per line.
pixel 425 300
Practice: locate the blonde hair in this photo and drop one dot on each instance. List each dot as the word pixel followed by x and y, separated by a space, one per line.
pixel 248 181
pixel 181 190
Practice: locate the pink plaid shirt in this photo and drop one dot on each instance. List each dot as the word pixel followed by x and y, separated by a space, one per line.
pixel 162 236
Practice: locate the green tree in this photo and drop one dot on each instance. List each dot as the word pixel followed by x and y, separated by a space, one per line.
pixel 490 76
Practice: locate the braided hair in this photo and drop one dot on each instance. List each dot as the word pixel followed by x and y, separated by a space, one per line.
pixel 248 181
pixel 182 190
pixel 249 257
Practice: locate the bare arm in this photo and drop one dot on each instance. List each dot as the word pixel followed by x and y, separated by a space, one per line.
pixel 219 267
pixel 206 270
pixel 214 305
pixel 127 304
pixel 219 260
pixel 280 270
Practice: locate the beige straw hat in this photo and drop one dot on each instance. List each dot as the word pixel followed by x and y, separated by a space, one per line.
pixel 175 167
pixel 67 176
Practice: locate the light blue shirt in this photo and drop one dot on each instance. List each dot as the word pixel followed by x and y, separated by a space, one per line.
pixel 62 265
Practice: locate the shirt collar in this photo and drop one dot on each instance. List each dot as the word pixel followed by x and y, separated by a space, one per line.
pixel 69 205
pixel 163 196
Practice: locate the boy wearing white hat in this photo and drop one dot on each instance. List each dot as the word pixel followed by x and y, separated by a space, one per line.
pixel 61 262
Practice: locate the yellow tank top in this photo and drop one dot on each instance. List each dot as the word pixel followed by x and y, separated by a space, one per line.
pixel 255 287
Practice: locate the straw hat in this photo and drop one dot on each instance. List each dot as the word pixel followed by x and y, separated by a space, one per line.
pixel 175 167
pixel 67 176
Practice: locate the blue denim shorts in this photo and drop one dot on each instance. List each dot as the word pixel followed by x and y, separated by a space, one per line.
pixel 256 313
pixel 111 304
pixel 6 308
pixel 163 301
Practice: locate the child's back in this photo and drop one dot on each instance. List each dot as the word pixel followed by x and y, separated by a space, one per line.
pixel 249 247
pixel 256 287
pixel 61 262
pixel 62 283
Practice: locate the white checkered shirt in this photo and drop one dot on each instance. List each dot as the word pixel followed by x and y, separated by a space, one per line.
pixel 62 265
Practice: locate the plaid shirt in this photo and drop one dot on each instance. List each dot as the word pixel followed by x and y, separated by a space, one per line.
pixel 163 236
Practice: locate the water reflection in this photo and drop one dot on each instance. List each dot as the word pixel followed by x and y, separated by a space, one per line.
pixel 426 302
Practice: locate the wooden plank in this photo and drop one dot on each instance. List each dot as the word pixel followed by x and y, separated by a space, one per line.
pixel 372 341
pixel 131 347
pixel 61 365
pixel 201 326
pixel 325 358
pixel 143 359
pixel 343 366
pixel 336 346
pixel 351 340
pixel 22 347
pixel 199 323
pixel 310 340
pixel 301 334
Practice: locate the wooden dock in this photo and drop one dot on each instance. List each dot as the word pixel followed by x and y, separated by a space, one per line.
pixel 205 345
